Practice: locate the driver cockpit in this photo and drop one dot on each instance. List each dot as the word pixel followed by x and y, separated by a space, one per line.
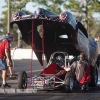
pixel 60 58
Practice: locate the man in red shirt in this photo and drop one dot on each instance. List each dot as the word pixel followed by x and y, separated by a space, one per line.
pixel 10 66
pixel 4 54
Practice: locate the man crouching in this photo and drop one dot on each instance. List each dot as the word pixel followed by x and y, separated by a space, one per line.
pixel 81 71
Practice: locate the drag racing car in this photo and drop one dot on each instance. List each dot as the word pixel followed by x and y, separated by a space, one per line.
pixel 47 32
pixel 49 78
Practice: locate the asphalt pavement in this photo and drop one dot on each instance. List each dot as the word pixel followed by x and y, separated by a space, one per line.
pixel 25 65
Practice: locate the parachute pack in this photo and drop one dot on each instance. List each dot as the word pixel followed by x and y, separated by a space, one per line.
pixel 86 77
pixel 83 75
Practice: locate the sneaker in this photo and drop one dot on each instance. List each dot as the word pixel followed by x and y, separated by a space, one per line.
pixel 6 86
pixel 83 88
pixel 12 76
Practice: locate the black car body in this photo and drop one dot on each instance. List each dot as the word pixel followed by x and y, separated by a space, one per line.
pixel 61 33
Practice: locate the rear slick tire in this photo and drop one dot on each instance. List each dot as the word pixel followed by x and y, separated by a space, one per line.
pixel 94 76
pixel 68 82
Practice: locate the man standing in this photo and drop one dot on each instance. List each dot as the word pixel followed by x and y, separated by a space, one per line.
pixel 4 55
pixel 9 37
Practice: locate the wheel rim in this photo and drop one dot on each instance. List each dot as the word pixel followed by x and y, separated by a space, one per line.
pixel 71 85
pixel 24 81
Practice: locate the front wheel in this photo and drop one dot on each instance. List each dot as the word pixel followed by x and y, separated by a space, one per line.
pixel 68 82
pixel 22 80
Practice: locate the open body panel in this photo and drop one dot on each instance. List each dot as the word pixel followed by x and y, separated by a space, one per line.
pixel 47 32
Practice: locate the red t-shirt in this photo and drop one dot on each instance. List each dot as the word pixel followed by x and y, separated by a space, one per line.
pixel 4 45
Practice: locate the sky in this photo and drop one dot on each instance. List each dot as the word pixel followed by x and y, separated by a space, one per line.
pixel 29 6
pixel 2 3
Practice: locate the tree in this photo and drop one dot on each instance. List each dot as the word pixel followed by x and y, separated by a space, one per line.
pixel 15 5
pixel 82 10
pixel 85 9
pixel 52 5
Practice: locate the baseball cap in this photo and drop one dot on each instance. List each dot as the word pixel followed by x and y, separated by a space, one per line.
pixel 9 35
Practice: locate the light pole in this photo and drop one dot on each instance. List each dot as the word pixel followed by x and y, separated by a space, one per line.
pixel 9 16
pixel 19 34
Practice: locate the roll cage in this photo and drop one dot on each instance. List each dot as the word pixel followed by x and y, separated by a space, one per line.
pixel 64 55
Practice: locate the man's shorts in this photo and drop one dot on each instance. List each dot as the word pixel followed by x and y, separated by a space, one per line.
pixel 3 64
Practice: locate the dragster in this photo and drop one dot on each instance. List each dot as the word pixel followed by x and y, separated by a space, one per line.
pixel 48 32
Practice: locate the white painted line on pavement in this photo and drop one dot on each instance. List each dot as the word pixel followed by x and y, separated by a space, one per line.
pixel 12 90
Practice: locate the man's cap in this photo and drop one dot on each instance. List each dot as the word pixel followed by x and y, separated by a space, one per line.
pixel 9 35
